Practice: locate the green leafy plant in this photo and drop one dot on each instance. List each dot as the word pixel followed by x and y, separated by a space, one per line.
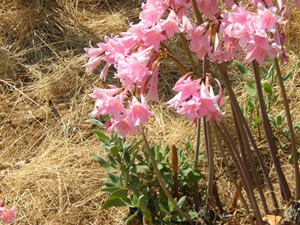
pixel 133 182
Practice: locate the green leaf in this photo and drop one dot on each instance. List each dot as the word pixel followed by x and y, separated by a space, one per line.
pixel 194 176
pixel 251 102
pixel 110 184
pixel 287 75
pixel 162 208
pixel 269 73
pixel 177 217
pixel 103 162
pixel 115 199
pixel 126 158
pixel 115 178
pixel 200 157
pixel 267 87
pixel 263 69
pixel 143 169
pixel 250 88
pixel 142 203
pixel 110 189
pixel 105 117
pixel 166 151
pixel 115 135
pixel 181 200
pixel 132 216
pixel 167 218
pixel 241 68
pixel 114 150
pixel 187 144
pixel 275 97
pixel 135 146
pixel 160 166
pixel 95 122
pixel 171 206
pixel 102 137
pixel 278 121
pixel 291 158
pixel 272 120
pixel 256 120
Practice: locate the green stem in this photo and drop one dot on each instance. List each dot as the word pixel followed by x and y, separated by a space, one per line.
pixel 197 13
pixel 290 125
pixel 161 182
pixel 179 65
pixel 188 52
pixel 269 134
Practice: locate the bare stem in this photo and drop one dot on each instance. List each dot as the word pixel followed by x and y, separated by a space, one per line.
pixel 290 125
pixel 269 134
pixel 196 186
pixel 231 175
pixel 188 52
pixel 245 142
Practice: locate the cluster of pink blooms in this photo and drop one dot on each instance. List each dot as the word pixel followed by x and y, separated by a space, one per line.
pixel 137 53
pixel 6 214
pixel 197 100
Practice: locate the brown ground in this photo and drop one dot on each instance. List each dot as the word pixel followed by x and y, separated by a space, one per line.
pixel 46 171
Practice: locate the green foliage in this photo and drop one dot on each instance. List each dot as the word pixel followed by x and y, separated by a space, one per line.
pixel 134 184
pixel 251 109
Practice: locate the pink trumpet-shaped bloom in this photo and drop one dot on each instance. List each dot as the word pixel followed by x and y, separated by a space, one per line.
pixel 267 18
pixel 152 92
pixel 187 87
pixel 7 214
pixel 153 37
pixel 123 125
pixel 170 25
pixel 139 111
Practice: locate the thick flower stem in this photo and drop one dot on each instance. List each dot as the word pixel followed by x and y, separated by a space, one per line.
pixel 197 13
pixel 290 125
pixel 161 182
pixel 188 52
pixel 210 154
pixel 269 134
pixel 245 142
pixel 196 186
pixel 231 175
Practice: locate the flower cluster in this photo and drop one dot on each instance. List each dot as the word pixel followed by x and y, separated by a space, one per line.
pixel 197 100
pixel 137 53
pixel 122 119
pixel 6 214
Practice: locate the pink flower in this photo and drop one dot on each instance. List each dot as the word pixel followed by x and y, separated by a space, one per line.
pixel 139 111
pixel 132 118
pixel 187 87
pixel 151 12
pixel 170 25
pixel 152 92
pixel 219 54
pixel 259 48
pixel 105 102
pixel 153 37
pixel 123 125
pixel 267 18
pixel 7 214
pixel 94 52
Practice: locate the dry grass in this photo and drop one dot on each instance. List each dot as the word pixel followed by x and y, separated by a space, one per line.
pixel 45 144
